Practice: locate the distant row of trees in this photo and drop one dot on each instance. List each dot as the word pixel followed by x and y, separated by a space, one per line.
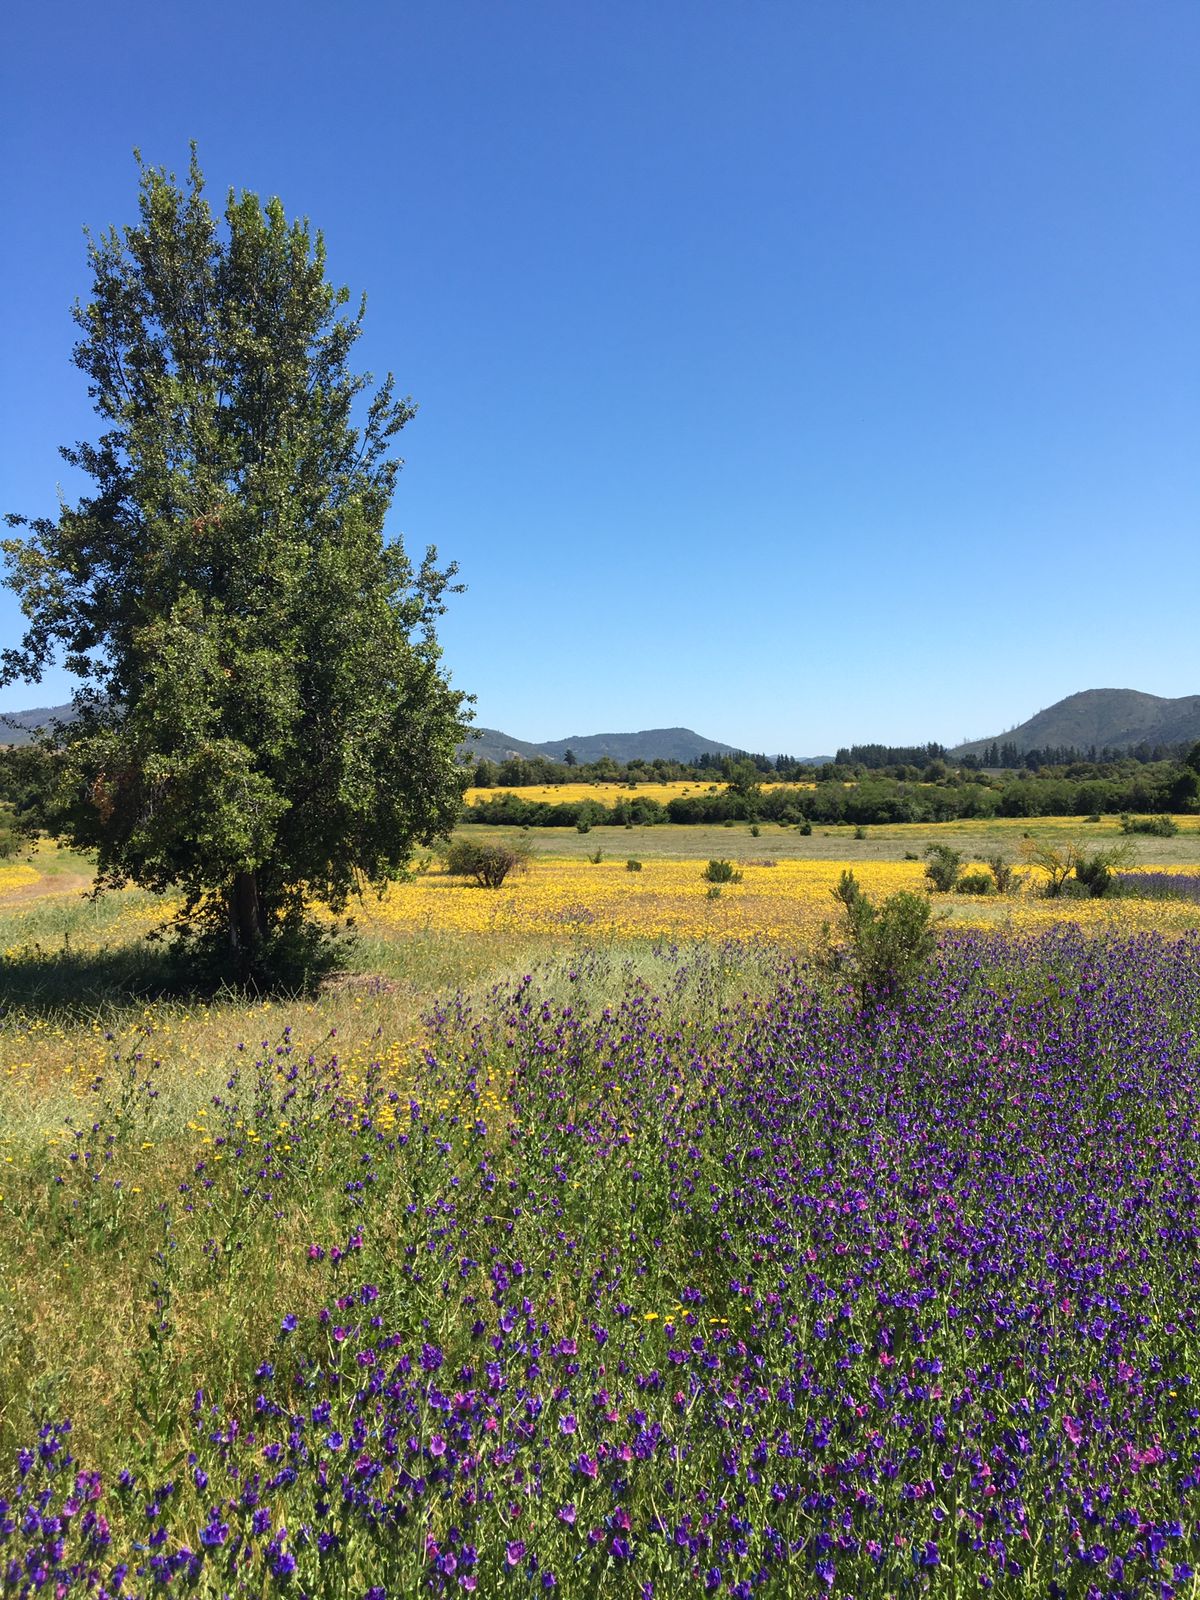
pixel 1160 789
pixel 929 763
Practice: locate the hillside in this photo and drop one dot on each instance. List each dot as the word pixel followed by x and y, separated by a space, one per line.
pixel 490 744
pixel 666 744
pixel 17 727
pixel 1102 717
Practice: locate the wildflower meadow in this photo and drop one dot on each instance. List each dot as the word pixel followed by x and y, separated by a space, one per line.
pixel 625 1252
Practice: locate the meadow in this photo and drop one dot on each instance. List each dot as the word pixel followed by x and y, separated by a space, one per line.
pixel 585 1235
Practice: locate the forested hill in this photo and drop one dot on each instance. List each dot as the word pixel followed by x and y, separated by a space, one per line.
pixel 1111 719
pixel 17 727
pixel 651 744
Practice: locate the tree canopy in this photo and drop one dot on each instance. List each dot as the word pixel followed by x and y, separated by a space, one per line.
pixel 263 719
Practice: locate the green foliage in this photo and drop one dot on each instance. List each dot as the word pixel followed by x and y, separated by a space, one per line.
pixel 1070 869
pixel 1003 875
pixel 743 782
pixel 943 866
pixel 721 872
pixel 633 865
pixel 976 883
pixel 597 856
pixel 583 824
pixel 860 832
pixel 755 830
pixel 1160 827
pixel 488 861
pixel 888 945
pixel 10 839
pixel 263 718
pixel 1095 871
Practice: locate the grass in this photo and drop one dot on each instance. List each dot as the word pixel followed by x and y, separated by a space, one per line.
pixel 884 842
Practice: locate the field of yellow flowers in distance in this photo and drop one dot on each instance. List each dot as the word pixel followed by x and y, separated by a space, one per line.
pixel 607 794
pixel 786 901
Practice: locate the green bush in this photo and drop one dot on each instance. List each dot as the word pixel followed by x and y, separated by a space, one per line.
pixel 976 883
pixel 597 856
pixel 633 865
pixel 1095 873
pixel 888 944
pixel 583 825
pixel 721 872
pixel 943 866
pixel 489 862
pixel 10 840
pixel 1159 827
pixel 1002 873
pixel 755 830
pixel 805 828
pixel 860 832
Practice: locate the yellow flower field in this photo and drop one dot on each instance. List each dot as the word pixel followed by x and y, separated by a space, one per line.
pixel 787 902
pixel 607 794
pixel 17 877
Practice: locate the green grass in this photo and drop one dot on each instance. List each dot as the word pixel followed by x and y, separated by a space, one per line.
pixel 885 842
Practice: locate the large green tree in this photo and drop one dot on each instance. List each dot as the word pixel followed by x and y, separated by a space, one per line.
pixel 263 719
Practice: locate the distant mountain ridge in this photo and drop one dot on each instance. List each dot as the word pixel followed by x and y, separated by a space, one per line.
pixel 1105 718
pixel 651 744
pixel 487 744
pixel 18 727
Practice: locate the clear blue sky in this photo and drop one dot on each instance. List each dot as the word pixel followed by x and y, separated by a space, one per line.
pixel 800 372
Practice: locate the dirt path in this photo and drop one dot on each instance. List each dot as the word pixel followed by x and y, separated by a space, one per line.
pixel 47 888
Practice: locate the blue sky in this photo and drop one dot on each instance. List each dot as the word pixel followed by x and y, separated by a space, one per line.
pixel 801 372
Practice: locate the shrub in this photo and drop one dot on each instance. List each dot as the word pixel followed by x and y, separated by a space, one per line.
pixel 755 830
pixel 633 865
pixel 976 883
pixel 489 862
pixel 889 944
pixel 714 891
pixel 805 827
pixel 597 856
pixel 860 832
pixel 1002 873
pixel 911 855
pixel 943 866
pixel 583 825
pixel 1160 827
pixel 721 872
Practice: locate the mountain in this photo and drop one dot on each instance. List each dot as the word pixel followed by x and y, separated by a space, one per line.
pixel 1111 718
pixel 652 744
pixel 17 727
pixel 666 744
pixel 490 744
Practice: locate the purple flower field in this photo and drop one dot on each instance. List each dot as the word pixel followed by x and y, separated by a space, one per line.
pixel 794 1301
pixel 1160 885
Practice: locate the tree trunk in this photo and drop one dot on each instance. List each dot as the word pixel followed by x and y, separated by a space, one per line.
pixel 247 924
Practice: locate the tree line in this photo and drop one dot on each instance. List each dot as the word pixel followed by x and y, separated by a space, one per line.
pixel 1156 789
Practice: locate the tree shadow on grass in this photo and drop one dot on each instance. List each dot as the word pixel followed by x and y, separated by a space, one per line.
pixel 73 985
pixel 77 985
